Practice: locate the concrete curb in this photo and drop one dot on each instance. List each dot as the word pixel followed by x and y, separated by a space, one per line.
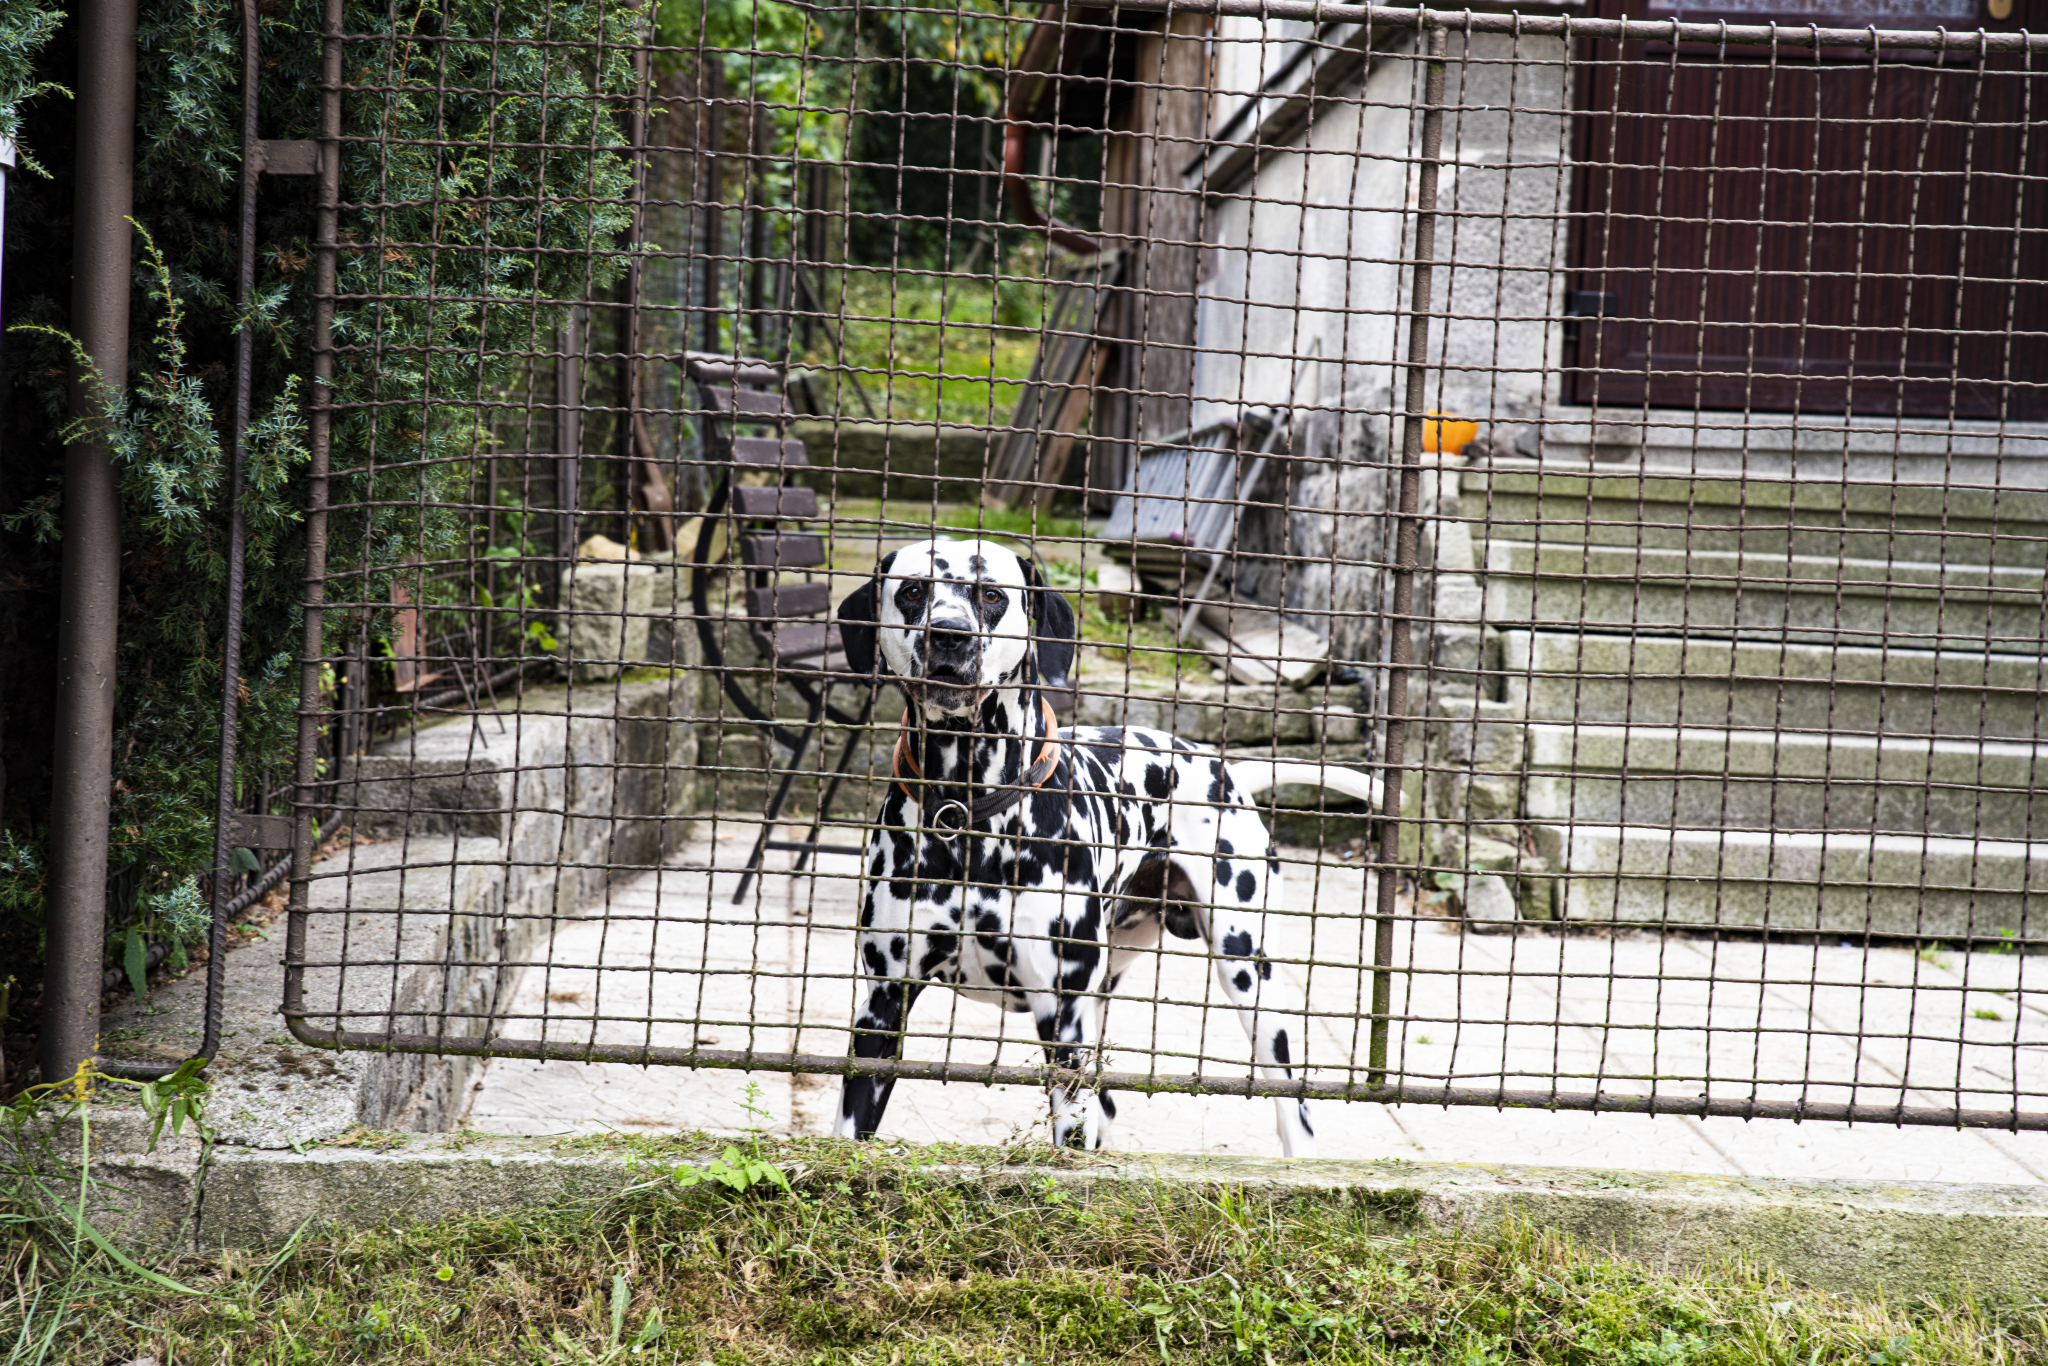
pixel 1891 1238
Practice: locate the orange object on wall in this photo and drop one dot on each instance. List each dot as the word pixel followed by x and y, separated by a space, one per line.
pixel 1448 434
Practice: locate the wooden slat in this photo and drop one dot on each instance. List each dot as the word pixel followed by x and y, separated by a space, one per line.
pixel 746 405
pixel 789 600
pixel 768 450
pixel 721 369
pixel 790 504
pixel 783 550
pixel 807 641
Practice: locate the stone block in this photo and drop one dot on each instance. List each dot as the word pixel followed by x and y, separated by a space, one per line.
pixel 1820 599
pixel 1883 519
pixel 671 630
pixel 1798 882
pixel 1706 778
pixel 1458 659
pixel 1660 681
pixel 1337 726
pixel 901 460
pixel 1459 598
pixel 609 606
pixel 1488 899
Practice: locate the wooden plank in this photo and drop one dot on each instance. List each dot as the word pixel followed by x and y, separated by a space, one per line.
pixel 783 550
pixel 746 405
pixel 789 600
pixel 792 504
pixel 807 640
pixel 1067 357
pixel 788 454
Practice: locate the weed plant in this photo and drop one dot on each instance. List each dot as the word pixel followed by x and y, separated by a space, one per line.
pixel 949 1255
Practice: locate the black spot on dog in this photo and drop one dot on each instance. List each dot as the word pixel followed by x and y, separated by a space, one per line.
pixel 1108 1105
pixel 896 947
pixel 1238 944
pixel 1243 980
pixel 1280 1054
pixel 1222 872
pixel 1246 885
pixel 1224 848
pixel 871 954
pixel 881 862
pixel 1157 782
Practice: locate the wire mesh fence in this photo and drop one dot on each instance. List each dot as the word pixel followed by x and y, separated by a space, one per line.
pixel 1254 548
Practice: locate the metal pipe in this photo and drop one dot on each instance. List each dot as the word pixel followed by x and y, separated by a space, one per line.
pixel 7 158
pixel 320 438
pixel 1407 537
pixel 1513 22
pixel 88 623
pixel 1024 85
pixel 231 646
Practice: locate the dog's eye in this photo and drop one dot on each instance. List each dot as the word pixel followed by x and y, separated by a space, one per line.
pixel 913 592
pixel 991 596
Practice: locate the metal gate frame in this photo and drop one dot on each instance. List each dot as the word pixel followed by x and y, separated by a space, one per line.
pixel 1400 620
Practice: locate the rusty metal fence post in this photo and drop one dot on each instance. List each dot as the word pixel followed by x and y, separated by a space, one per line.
pixel 1401 612
pixel 84 759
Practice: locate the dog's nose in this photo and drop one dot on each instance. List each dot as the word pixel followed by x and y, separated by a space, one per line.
pixel 951 640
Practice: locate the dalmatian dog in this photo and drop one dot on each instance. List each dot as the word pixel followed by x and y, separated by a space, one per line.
pixel 1028 865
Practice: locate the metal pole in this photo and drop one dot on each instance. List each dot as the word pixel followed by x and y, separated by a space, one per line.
pixel 1400 630
pixel 6 172
pixel 231 651
pixel 83 759
pixel 320 432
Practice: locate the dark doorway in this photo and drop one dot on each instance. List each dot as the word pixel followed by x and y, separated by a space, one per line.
pixel 1812 232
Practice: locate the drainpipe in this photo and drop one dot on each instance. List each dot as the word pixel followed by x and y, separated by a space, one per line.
pixel 6 170
pixel 84 749
pixel 1025 83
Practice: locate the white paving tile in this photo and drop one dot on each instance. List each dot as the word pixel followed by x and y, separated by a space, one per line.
pixel 670 960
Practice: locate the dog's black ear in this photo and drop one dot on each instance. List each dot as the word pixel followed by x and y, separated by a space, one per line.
pixel 1052 627
pixel 857 620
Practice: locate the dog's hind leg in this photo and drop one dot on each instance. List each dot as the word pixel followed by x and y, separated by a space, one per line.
pixel 1238 942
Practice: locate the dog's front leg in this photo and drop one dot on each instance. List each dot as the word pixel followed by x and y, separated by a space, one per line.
pixel 891 986
pixel 1062 964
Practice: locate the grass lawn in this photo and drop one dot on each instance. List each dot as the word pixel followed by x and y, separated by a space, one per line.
pixel 930 347
pixel 873 1257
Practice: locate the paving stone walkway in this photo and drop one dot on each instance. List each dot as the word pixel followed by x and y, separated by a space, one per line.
pixel 670 960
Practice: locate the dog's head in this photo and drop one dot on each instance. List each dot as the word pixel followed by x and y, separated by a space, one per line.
pixel 955 619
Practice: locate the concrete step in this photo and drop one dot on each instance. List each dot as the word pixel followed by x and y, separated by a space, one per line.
pixel 1821 599
pixel 1598 679
pixel 1798 882
pixel 1233 715
pixel 1882 519
pixel 1707 779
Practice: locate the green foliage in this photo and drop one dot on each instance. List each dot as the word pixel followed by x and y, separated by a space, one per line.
pixel 168 455
pixel 959 1256
pixel 511 190
pixel 48 1203
pixel 516 217
pixel 738 1170
pixel 25 27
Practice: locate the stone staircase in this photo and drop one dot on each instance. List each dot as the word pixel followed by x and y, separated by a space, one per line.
pixel 1800 706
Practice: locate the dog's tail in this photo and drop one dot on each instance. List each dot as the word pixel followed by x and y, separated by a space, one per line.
pixel 1253 776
